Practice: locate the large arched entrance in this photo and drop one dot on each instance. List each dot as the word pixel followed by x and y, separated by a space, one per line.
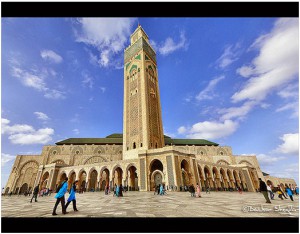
pixel 231 180
pixel 216 177
pixel 185 173
pixel 207 174
pixel 82 181
pixel 201 177
pixel 132 179
pixel 156 174
pixel 104 180
pixel 44 182
pixel 254 180
pixel 93 180
pixel 223 179
pixel 243 181
pixel 117 176
pixel 236 179
pixel 24 188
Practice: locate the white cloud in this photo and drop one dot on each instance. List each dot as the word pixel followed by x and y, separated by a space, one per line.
pixel 107 35
pixel 25 134
pixel 266 160
pixel 294 106
pixel 154 45
pixel 103 89
pixel 169 46
pixel 51 56
pixel 181 130
pixel 29 79
pixel 212 130
pixel 236 112
pixel 5 158
pixel 55 94
pixel 277 62
pixel 290 144
pixel 36 80
pixel 245 71
pixel 76 131
pixel 291 91
pixel 207 93
pixel 16 128
pixel 291 171
pixel 88 81
pixel 229 55
pixel 41 116
pixel 41 136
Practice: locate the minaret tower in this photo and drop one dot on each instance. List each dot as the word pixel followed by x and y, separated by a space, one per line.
pixel 142 126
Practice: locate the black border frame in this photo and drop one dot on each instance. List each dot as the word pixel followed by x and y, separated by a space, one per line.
pixel 153 9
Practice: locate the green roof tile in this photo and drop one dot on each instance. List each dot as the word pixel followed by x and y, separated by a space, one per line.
pixel 117 138
pixel 115 135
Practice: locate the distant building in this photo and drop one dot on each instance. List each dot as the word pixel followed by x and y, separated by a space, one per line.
pixel 142 157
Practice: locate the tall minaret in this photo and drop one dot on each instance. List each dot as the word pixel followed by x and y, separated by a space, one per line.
pixel 142 127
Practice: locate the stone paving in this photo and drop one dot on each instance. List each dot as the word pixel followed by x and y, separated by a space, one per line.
pixel 145 204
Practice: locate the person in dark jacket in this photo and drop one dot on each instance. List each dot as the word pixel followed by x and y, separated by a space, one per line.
pixel 192 190
pixel 263 189
pixel 35 193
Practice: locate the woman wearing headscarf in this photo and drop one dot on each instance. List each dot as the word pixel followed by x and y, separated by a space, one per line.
pixel 117 190
pixel 60 196
pixel 289 192
pixel 72 197
pixel 161 190
pixel 198 191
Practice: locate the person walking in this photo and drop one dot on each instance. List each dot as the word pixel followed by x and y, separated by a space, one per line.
pixel 263 189
pixel 157 189
pixel 207 190
pixel 192 190
pixel 289 192
pixel 161 190
pixel 270 192
pixel 72 197
pixel 121 189
pixel 35 193
pixel 198 191
pixel 279 193
pixel 60 197
pixel 282 192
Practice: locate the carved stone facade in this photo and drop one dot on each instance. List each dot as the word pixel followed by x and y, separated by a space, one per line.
pixel 142 157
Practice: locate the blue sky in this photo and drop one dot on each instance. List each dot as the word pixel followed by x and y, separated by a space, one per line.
pixel 233 81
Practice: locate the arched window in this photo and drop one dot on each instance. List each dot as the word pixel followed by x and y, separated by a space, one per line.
pixel 134 145
pixel 156 145
pixel 141 144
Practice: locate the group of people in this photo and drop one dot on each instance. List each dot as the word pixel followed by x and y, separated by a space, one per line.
pixel 160 189
pixel 118 190
pixel 195 193
pixel 269 190
pixel 60 196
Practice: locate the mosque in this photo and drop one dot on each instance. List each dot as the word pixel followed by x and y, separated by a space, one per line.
pixel 142 156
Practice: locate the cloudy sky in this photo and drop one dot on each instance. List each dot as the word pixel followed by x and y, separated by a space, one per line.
pixel 233 81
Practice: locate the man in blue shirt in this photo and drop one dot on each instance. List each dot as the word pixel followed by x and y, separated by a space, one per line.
pixel 60 197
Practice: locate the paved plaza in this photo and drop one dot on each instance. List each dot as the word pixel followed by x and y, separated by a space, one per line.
pixel 145 204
